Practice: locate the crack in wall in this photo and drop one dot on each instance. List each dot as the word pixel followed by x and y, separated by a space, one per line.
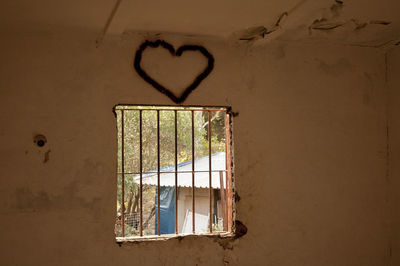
pixel 110 18
pixel 384 45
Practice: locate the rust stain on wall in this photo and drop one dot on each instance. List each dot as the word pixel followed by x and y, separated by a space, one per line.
pixel 46 156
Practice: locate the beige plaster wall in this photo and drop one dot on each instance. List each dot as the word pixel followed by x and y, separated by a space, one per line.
pixel 310 151
pixel 393 81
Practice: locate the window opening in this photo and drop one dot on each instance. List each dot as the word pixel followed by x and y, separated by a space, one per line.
pixel 174 171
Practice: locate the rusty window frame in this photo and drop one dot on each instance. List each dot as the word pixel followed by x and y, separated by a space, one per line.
pixel 227 198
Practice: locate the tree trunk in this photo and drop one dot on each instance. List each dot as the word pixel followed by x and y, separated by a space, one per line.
pixel 152 213
pixel 136 203
pixel 130 197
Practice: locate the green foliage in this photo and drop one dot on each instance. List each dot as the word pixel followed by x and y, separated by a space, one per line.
pixel 129 230
pixel 167 140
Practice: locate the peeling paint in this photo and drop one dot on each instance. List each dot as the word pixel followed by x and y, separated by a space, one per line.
pixel 333 20
pixel 323 24
pixel 359 25
pixel 254 33
pixel 380 22
pixel 258 32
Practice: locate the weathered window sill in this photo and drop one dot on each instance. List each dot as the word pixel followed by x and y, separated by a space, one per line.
pixel 122 240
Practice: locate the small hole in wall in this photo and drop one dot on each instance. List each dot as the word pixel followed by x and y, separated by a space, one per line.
pixel 40 140
pixel 40 143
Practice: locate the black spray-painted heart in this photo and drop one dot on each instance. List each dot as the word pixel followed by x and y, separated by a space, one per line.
pixel 170 48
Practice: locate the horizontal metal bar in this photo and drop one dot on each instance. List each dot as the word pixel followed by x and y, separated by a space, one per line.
pixel 162 109
pixel 169 106
pixel 172 172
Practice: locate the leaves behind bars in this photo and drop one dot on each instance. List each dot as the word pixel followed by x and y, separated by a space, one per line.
pixel 167 142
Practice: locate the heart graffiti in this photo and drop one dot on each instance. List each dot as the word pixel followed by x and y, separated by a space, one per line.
pixel 181 98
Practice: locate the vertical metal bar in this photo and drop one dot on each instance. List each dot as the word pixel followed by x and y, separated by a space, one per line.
pixel 123 175
pixel 158 172
pixel 193 204
pixel 141 170
pixel 223 201
pixel 176 171
pixel 228 172
pixel 210 169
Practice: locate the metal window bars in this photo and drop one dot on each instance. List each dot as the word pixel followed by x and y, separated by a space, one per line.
pixel 226 200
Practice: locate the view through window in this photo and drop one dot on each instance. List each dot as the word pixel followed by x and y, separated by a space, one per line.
pixel 174 171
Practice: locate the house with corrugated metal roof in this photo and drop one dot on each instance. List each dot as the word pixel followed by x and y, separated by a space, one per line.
pixel 185 191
